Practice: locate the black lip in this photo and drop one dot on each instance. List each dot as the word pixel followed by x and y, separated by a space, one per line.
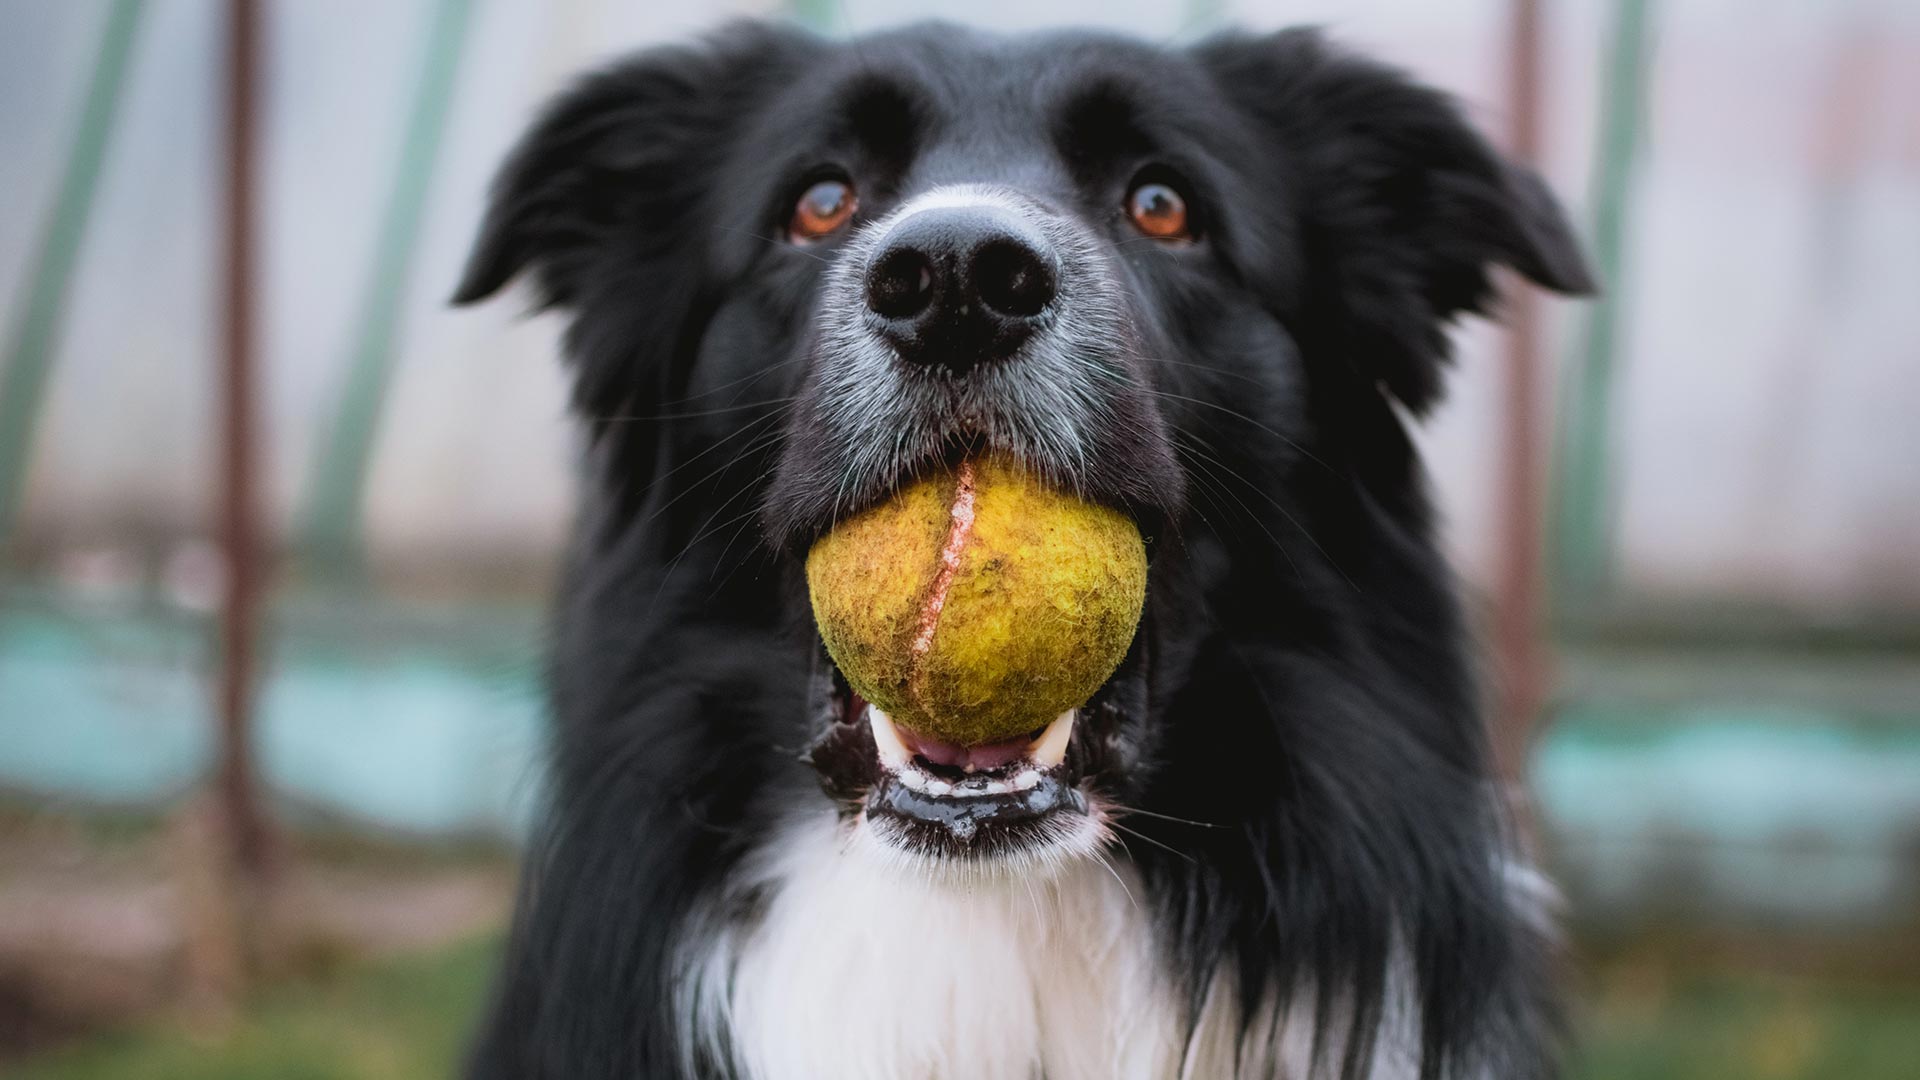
pixel 976 823
pixel 847 764
pixel 843 754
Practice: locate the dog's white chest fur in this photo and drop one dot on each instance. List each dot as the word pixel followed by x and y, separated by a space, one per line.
pixel 860 969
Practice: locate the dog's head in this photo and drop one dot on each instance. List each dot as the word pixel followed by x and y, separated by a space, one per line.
pixel 1197 285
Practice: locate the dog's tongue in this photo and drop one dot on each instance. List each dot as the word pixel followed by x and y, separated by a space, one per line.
pixel 984 757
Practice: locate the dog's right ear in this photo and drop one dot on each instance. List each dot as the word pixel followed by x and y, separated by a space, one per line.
pixel 1402 208
pixel 622 158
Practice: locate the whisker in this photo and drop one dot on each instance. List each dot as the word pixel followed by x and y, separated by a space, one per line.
pixel 760 442
pixel 729 384
pixel 744 406
pixel 1295 522
pixel 1238 415
pixel 1216 369
pixel 1201 460
pixel 707 528
pixel 722 441
pixel 714 530
pixel 1167 817
pixel 746 520
pixel 1033 899
pixel 1107 865
pixel 1155 843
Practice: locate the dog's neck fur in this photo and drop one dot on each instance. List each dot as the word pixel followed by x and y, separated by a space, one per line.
pixel 834 960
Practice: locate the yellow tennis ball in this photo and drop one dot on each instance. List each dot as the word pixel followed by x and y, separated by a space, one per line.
pixel 978 604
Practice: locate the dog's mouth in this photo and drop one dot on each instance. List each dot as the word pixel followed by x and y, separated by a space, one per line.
pixel 936 798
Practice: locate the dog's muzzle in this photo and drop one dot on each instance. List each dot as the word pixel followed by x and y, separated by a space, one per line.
pixel 972 319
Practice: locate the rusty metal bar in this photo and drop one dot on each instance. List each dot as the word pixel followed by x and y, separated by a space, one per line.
pixel 1520 657
pixel 239 794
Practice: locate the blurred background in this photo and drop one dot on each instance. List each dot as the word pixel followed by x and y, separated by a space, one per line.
pixel 276 525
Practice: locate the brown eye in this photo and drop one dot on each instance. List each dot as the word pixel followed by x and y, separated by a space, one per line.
pixel 1158 211
pixel 823 208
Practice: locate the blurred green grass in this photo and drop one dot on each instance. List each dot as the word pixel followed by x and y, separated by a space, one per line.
pixel 1755 1028
pixel 407 1019
pixel 400 1019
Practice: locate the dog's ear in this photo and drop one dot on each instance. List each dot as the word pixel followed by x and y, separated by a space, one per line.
pixel 1401 207
pixel 622 158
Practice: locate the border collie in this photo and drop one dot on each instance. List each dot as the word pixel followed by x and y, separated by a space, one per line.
pixel 1209 287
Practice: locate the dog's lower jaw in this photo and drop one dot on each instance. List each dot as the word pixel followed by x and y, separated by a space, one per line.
pixel 842 959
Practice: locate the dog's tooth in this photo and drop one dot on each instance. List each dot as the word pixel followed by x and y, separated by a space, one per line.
pixel 999 787
pixel 913 778
pixel 939 787
pixel 886 738
pixel 1050 749
pixel 1027 780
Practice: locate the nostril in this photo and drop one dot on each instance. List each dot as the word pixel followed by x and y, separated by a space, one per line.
pixel 900 285
pixel 1011 279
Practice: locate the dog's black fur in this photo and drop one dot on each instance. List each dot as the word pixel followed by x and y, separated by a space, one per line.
pixel 1307 683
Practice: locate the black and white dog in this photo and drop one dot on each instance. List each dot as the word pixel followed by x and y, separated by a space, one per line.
pixel 1207 286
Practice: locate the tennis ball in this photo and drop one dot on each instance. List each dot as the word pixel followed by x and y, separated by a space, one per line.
pixel 978 604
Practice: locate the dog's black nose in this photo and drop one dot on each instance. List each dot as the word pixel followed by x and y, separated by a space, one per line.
pixel 960 286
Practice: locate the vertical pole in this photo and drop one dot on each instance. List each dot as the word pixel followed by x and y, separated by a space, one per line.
pixel 29 355
pixel 239 516
pixel 1517 621
pixel 336 498
pixel 816 15
pixel 1582 537
pixel 1204 17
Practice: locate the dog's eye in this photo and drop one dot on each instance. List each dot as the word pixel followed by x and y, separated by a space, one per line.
pixel 1159 211
pixel 823 208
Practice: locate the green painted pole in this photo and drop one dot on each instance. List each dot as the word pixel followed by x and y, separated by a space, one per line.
pixel 817 15
pixel 30 348
pixel 1583 534
pixel 332 517
pixel 1203 17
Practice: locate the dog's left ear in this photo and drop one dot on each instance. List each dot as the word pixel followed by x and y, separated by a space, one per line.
pixel 617 168
pixel 1402 208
